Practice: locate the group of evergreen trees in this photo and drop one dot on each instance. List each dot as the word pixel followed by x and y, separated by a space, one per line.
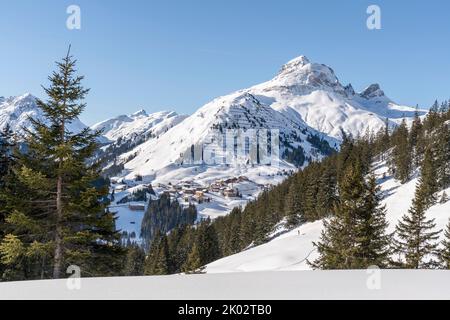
pixel 186 248
pixel 163 215
pixel 52 211
pixel 355 236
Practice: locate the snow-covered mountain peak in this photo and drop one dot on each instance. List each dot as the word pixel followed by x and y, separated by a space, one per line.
pixel 17 111
pixel 303 77
pixel 372 91
pixel 295 64
pixel 313 92
pixel 138 125
pixel 349 90
pixel 139 113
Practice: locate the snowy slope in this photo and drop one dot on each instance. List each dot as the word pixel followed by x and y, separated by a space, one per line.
pixel 16 112
pixel 291 250
pixel 127 127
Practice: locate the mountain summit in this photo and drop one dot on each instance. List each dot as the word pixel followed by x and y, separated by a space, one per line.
pixel 313 92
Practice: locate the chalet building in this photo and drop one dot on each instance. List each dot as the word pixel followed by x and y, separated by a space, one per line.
pixel 230 192
pixel 188 191
pixel 136 207
pixel 120 188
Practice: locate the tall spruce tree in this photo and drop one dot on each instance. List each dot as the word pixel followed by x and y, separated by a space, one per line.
pixel 401 154
pixel 56 215
pixel 373 244
pixel 429 178
pixel 194 261
pixel 134 261
pixel 416 138
pixel 294 211
pixel 158 260
pixel 442 155
pixel 416 238
pixel 206 248
pixel 355 237
pixel 6 154
pixel 326 196
pixel 6 162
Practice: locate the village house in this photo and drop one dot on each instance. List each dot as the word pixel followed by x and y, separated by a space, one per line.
pixel 120 188
pixel 188 191
pixel 230 192
pixel 136 207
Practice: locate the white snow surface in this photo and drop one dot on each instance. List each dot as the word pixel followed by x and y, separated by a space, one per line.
pixel 138 124
pixel 290 285
pixel 292 250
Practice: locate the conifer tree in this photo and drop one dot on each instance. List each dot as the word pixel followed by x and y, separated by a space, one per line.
pixel 326 196
pixel 416 139
pixel 55 212
pixel 205 249
pixel 432 119
pixel 310 200
pixel 208 242
pixel 416 238
pixel 158 261
pixel 429 179
pixel 383 139
pixel 373 244
pixel 6 162
pixel 180 244
pixel 444 255
pixel 294 212
pixel 444 198
pixel 149 264
pixel 442 155
pixel 194 262
pixel 6 153
pixel 162 263
pixel 234 239
pixel 402 153
pixel 355 236
pixel 134 262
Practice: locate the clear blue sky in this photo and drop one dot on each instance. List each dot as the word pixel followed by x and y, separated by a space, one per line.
pixel 178 55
